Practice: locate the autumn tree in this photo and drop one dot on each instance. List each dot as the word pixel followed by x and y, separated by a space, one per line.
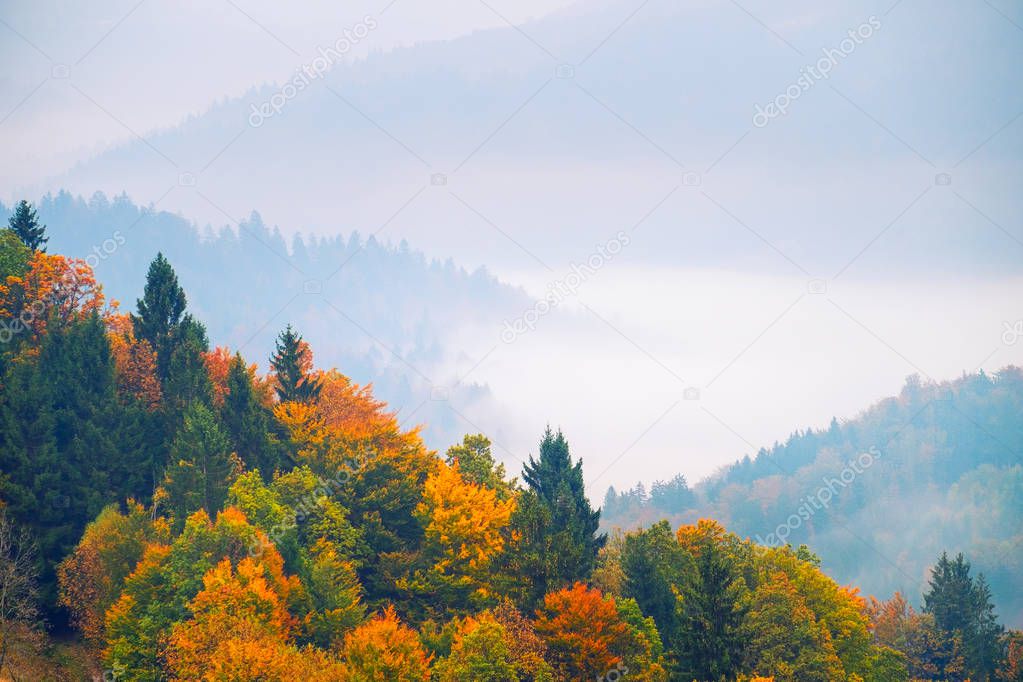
pixel 157 593
pixel 1011 669
pixel 91 577
pixel 784 639
pixel 465 526
pixel 586 634
pixel 558 526
pixel 135 363
pixel 52 292
pixel 383 649
pixel 291 364
pixel 25 224
pixel 240 628
pixel 480 651
pixel 300 516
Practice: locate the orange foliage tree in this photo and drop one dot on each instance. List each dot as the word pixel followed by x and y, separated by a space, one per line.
pixel 385 650
pixel 218 362
pixel 134 362
pixel 91 577
pixel 241 629
pixel 583 630
pixel 54 288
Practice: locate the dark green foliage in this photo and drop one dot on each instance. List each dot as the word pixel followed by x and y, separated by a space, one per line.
pixel 962 610
pixel 290 366
pixel 188 380
pixel 201 467
pixel 248 423
pixel 160 313
pixel 710 645
pixel 67 446
pixel 654 564
pixel 559 528
pixel 25 224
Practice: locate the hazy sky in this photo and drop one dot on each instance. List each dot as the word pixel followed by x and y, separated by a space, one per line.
pixel 140 66
pixel 782 267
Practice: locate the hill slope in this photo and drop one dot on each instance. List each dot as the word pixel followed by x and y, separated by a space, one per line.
pixel 938 466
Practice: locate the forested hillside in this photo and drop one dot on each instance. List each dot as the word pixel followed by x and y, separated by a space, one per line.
pixel 171 512
pixel 358 299
pixel 940 466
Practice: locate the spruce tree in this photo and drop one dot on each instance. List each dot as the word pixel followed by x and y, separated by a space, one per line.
pixel 62 436
pixel 291 364
pixel 160 312
pixel 201 469
pixel 247 422
pixel 962 609
pixel 25 224
pixel 559 528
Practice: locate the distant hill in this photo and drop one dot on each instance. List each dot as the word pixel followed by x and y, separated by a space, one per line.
pixel 584 120
pixel 879 495
pixel 381 313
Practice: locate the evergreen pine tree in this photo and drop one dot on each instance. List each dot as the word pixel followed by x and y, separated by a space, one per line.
pixel 25 224
pixel 62 439
pixel 291 364
pixel 247 422
pixel 188 380
pixel 559 528
pixel 160 312
pixel 962 609
pixel 202 466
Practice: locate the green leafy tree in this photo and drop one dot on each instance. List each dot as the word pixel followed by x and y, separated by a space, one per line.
pixel 477 465
pixel 291 364
pixel 560 541
pixel 25 224
pixel 713 606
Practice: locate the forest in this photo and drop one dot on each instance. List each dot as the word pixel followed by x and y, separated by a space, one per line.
pixel 169 512
pixel 943 473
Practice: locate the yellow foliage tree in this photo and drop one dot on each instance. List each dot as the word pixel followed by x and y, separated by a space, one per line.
pixel 384 650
